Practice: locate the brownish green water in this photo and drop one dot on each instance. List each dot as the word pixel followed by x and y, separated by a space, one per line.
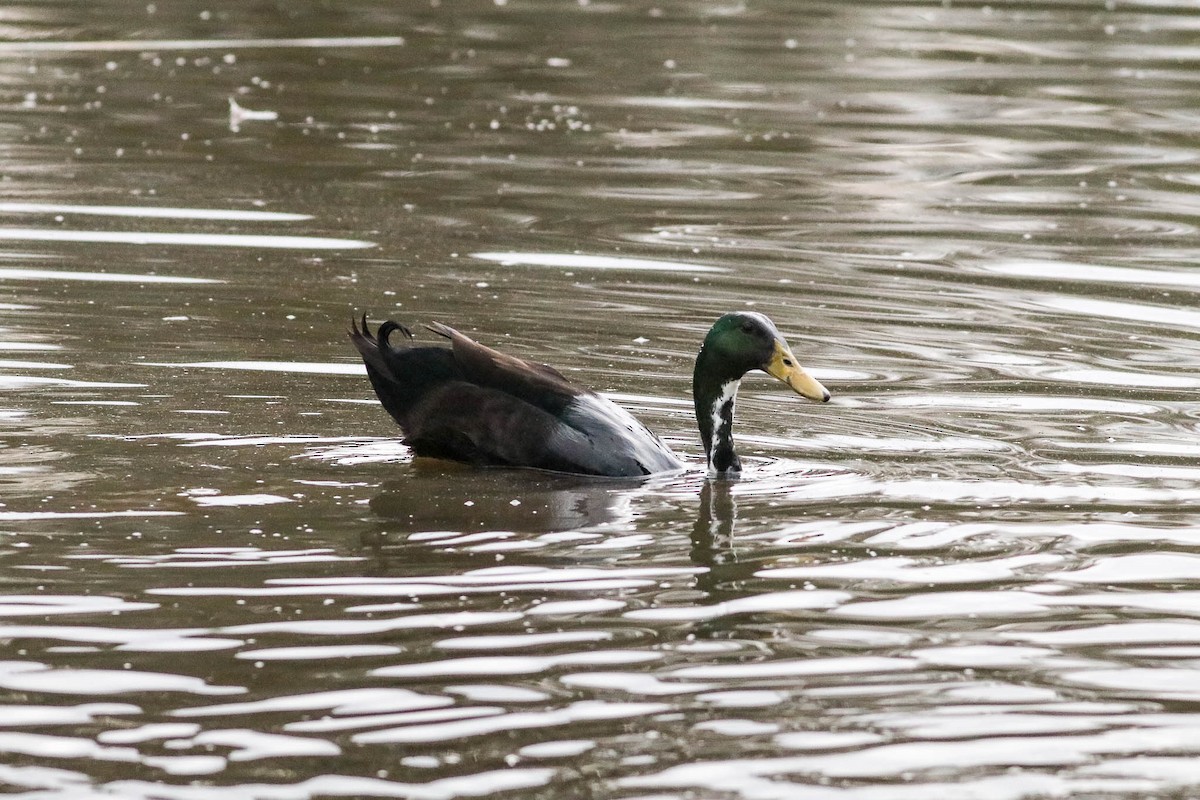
pixel 973 574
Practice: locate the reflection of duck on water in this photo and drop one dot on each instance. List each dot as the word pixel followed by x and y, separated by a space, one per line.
pixel 712 533
pixel 472 404
pixel 501 510
pixel 509 505
pixel 516 502
pixel 436 507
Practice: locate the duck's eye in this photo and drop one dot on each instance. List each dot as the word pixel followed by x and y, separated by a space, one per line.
pixel 747 327
pixel 787 362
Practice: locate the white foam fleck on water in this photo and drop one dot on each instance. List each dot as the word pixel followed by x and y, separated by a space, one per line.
pixel 239 114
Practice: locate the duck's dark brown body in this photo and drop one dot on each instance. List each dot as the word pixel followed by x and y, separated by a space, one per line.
pixel 473 404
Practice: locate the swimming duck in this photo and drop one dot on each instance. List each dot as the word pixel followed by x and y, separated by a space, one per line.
pixel 473 404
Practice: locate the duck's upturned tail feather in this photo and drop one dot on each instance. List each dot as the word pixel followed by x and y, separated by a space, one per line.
pixel 402 375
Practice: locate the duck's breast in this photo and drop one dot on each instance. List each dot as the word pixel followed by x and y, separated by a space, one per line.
pixel 605 439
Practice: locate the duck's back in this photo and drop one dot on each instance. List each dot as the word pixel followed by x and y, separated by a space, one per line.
pixel 473 404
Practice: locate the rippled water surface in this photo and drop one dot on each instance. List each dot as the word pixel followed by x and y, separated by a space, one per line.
pixel 973 574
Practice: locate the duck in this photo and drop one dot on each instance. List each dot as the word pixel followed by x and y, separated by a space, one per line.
pixel 472 404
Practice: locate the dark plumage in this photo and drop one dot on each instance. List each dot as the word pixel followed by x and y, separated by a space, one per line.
pixel 470 403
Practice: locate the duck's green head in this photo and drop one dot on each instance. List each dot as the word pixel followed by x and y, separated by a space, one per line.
pixel 743 341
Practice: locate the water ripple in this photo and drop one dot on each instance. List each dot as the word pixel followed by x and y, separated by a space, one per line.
pixel 28 676
pixel 582 711
pixel 970 575
pixel 60 235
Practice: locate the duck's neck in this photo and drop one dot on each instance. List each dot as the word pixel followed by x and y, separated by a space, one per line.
pixel 715 391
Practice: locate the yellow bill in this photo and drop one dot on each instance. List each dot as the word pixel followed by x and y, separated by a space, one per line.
pixel 783 365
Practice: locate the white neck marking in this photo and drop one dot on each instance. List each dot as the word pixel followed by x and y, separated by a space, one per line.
pixel 728 394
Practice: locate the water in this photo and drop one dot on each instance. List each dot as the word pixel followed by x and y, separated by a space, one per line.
pixel 972 574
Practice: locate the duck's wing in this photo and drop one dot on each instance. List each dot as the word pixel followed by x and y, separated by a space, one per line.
pixel 538 384
pixel 488 427
pixel 585 432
